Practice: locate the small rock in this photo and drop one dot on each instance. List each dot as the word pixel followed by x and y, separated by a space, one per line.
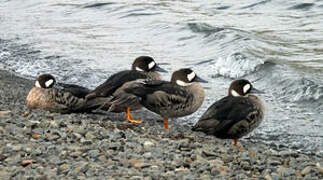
pixel 35 135
pixel 2 157
pixel 148 145
pixel 318 166
pixel 77 135
pixel 181 169
pixel 94 153
pixel 4 114
pixel 268 177
pixel 53 124
pixel 138 163
pixel 275 176
pixel 26 162
pixel 290 172
pixel 147 155
pixel 306 170
pixel 25 114
pixel 13 159
pixel 281 171
pixel 183 144
pixel 274 162
pixel 308 177
pixel 17 147
pixel 136 178
pixel 79 168
pixel 89 136
pixel 209 153
pixel 245 165
pixel 205 176
pixel 64 168
pixel 288 153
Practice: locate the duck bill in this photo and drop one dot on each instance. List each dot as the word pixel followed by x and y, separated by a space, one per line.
pixel 256 91
pixel 198 79
pixel 159 69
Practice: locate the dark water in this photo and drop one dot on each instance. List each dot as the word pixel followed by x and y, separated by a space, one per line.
pixel 277 44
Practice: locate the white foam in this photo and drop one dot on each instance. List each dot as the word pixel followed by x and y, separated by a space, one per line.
pixel 235 65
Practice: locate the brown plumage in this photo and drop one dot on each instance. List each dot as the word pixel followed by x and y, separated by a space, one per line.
pixel 143 68
pixel 180 97
pixel 45 96
pixel 235 115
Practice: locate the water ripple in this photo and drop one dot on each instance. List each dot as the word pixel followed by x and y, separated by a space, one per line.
pixel 97 5
pixel 302 6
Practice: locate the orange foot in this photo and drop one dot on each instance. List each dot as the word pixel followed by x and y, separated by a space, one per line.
pixel 166 124
pixel 130 118
pixel 235 142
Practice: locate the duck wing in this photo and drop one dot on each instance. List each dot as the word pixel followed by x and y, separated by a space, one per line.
pixel 159 96
pixel 223 114
pixel 76 90
pixel 114 82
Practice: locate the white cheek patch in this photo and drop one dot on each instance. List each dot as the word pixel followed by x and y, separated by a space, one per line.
pixel 182 83
pixel 246 88
pixel 151 65
pixel 191 76
pixel 49 82
pixel 138 69
pixel 234 93
pixel 37 84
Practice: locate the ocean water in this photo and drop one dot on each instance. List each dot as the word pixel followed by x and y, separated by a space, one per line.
pixel 278 45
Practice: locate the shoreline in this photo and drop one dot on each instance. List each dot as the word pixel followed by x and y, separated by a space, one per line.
pixel 46 145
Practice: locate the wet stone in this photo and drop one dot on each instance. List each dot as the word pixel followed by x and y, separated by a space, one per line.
pixel 94 153
pixel 275 176
pixel 288 153
pixel 306 170
pixel 148 145
pixel 64 168
pixel 274 162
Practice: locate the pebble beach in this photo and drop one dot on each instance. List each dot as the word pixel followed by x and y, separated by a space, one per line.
pixel 41 145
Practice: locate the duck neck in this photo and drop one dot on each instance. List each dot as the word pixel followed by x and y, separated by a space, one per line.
pixel 198 94
pixel 153 75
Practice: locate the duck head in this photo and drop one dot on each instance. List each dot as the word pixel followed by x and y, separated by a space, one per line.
pixel 185 77
pixel 45 81
pixel 146 64
pixel 242 87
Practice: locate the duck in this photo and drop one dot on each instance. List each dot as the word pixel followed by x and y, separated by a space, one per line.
pixel 181 96
pixel 143 68
pixel 235 115
pixel 58 97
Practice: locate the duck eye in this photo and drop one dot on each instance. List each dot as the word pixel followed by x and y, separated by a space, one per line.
pixel 151 65
pixel 49 83
pixel 246 88
pixel 191 76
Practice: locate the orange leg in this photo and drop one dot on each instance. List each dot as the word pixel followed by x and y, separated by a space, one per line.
pixel 130 118
pixel 235 142
pixel 166 124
